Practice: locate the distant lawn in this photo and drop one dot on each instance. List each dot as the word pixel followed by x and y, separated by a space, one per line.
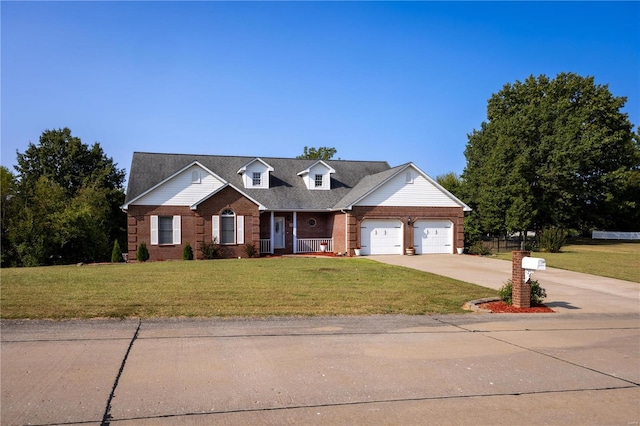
pixel 247 287
pixel 613 259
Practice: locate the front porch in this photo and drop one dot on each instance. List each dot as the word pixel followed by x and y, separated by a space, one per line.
pixel 302 245
pixel 297 233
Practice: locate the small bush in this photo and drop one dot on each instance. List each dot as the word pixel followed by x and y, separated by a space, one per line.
pixel 552 239
pixel 116 253
pixel 187 252
pixel 505 292
pixel 250 250
pixel 142 254
pixel 478 248
pixel 537 293
pixel 210 250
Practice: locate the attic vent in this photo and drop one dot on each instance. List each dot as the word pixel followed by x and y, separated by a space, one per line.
pixel 195 176
pixel 409 177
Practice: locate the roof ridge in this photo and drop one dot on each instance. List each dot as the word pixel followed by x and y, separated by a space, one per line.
pixel 256 156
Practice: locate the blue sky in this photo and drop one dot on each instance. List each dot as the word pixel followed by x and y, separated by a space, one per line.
pixel 394 81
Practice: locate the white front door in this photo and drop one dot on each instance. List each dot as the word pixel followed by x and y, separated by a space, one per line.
pixel 278 232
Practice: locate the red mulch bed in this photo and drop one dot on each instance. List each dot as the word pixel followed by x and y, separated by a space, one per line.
pixel 502 308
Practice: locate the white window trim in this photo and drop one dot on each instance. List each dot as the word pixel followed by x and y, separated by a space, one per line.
pixel 176 228
pixel 238 229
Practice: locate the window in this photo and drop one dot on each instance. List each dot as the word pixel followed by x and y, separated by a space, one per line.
pixel 257 178
pixel 312 222
pixel 318 181
pixel 165 230
pixel 227 227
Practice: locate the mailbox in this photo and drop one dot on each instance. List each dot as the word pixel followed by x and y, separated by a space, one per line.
pixel 534 263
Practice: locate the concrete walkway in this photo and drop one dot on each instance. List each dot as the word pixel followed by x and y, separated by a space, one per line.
pixel 578 366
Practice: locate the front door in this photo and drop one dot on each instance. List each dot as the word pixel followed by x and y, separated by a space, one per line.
pixel 278 232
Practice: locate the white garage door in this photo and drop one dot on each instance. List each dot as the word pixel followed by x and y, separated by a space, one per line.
pixel 381 236
pixel 433 236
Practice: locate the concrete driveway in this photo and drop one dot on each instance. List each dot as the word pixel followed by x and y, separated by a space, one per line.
pixel 578 366
pixel 567 292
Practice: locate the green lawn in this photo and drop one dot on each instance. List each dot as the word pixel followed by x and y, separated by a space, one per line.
pixel 247 287
pixel 613 259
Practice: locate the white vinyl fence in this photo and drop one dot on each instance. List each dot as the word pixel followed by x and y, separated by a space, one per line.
pixel 610 235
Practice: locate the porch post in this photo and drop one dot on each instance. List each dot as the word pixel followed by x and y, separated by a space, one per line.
pixel 272 232
pixel 295 232
pixel 347 249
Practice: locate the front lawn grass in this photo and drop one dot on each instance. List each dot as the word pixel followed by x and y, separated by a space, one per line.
pixel 613 259
pixel 247 287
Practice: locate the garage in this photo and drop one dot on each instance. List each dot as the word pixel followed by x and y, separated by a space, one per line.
pixel 433 236
pixel 381 236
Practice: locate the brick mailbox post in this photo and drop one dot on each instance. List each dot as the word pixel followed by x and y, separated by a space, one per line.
pixel 521 290
pixel 522 266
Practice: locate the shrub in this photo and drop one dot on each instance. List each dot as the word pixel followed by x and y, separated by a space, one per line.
pixel 143 254
pixel 505 292
pixel 537 293
pixel 552 239
pixel 250 250
pixel 210 250
pixel 478 248
pixel 187 252
pixel 116 253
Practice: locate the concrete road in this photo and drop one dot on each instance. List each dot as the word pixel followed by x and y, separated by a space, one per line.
pixel 580 365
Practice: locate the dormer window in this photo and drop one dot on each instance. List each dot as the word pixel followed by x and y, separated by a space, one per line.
pixel 317 176
pixel 256 178
pixel 255 174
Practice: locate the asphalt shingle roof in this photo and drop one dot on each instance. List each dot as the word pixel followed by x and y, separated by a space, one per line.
pixel 351 179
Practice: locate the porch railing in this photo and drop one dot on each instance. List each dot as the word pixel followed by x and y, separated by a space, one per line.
pixel 313 245
pixel 265 245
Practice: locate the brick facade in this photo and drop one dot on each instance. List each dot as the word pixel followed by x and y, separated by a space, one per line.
pixel 360 213
pixel 343 228
pixel 196 226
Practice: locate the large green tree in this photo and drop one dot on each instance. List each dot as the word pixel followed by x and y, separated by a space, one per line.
pixel 321 153
pixel 554 152
pixel 68 198
pixel 7 204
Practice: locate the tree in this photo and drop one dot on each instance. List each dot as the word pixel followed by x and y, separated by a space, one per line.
pixel 7 204
pixel 116 253
pixel 69 197
pixel 322 153
pixel 452 183
pixel 553 153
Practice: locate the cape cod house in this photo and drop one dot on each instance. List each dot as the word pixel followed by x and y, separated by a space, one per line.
pixel 285 205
